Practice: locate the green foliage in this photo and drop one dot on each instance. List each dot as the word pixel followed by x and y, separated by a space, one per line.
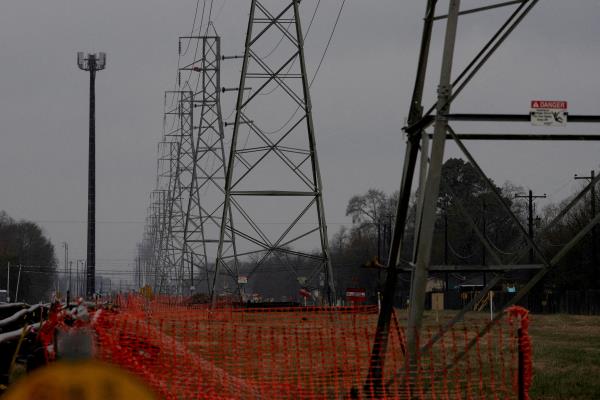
pixel 23 243
pixel 465 200
pixel 577 270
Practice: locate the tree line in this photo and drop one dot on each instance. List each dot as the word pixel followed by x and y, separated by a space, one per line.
pixel 30 255
pixel 358 252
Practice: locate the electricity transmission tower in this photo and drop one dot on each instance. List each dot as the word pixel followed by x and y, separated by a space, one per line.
pixel 207 199
pixel 155 247
pixel 439 117
pixel 273 184
pixel 179 130
pixel 184 226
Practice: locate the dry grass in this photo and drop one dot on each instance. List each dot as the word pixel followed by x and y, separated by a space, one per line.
pixel 329 353
pixel 254 346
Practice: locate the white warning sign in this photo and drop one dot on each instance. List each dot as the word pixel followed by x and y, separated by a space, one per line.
pixel 548 112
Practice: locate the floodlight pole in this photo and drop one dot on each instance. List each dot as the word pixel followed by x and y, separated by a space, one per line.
pixel 92 64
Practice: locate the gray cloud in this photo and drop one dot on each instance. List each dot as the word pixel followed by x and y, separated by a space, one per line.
pixel 361 98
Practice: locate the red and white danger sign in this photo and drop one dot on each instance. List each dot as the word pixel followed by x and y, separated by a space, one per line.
pixel 357 295
pixel 548 112
pixel 304 293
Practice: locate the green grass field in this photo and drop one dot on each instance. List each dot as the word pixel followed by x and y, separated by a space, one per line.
pixel 566 357
pixel 566 354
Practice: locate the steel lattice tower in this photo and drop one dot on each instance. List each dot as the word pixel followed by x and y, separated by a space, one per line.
pixel 275 173
pixel 184 230
pixel 157 238
pixel 166 167
pixel 430 148
pixel 179 130
pixel 203 233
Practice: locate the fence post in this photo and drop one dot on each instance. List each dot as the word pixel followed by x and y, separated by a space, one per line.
pixel 521 378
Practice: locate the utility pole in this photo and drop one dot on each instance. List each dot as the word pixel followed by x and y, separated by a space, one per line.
pixel 594 232
pixel 483 260
pixel 378 223
pixel 77 280
pixel 70 269
pixel 530 198
pixel 141 277
pixel 92 63
pixel 68 299
pixel 66 246
pixel 446 243
pixel 18 283
pixel 8 283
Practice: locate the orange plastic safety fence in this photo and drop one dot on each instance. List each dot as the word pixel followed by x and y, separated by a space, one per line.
pixel 195 352
pixel 525 346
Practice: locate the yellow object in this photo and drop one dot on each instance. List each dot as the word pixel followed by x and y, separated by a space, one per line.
pixel 437 301
pixel 81 380
pixel 146 291
pixel 16 353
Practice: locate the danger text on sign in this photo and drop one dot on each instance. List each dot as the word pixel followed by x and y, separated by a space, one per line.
pixel 548 112
pixel 558 104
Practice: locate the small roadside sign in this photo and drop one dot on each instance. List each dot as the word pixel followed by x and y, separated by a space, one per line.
pixel 304 293
pixel 356 295
pixel 548 112
pixel 242 280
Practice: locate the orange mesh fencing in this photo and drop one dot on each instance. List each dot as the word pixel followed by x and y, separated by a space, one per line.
pixel 195 352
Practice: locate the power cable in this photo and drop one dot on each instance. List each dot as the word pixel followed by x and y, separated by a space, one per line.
pixel 287 30
pixel 192 30
pixel 459 255
pixel 220 9
pixel 497 249
pixel 195 52
pixel 209 17
pixel 337 19
pixel 294 61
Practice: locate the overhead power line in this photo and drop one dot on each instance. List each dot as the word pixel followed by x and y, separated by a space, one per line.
pixel 329 41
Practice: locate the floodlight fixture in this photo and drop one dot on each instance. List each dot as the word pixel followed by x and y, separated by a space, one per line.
pixel 91 62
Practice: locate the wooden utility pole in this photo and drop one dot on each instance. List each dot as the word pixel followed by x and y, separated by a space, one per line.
pixel 593 247
pixel 530 198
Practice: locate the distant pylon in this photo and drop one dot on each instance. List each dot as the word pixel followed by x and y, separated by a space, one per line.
pixel 205 207
pixel 273 183
pixel 158 239
pixel 191 165
pixel 179 130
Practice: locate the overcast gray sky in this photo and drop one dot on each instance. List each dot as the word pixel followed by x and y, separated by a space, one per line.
pixel 360 101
